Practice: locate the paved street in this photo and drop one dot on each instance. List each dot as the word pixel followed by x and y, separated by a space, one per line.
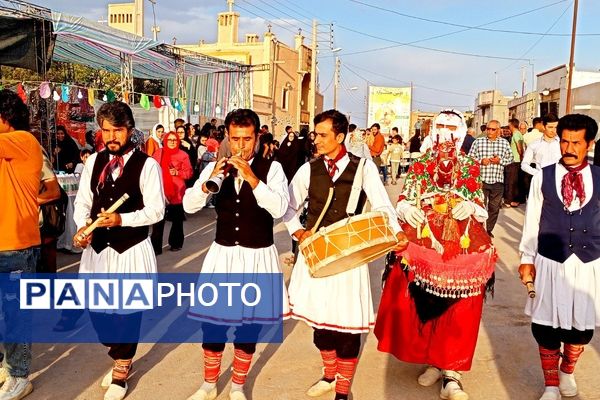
pixel 506 364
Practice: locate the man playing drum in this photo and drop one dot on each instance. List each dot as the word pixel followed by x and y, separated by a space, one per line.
pixel 433 297
pixel 338 307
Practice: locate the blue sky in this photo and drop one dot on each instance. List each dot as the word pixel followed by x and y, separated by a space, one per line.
pixel 440 78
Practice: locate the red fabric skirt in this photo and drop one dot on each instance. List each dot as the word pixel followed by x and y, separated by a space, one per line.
pixel 447 342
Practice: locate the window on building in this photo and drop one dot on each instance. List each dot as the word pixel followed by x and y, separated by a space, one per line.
pixel 285 99
pixel 130 18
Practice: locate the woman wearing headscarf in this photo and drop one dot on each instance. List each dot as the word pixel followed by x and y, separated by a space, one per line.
pixel 189 148
pixel 290 155
pixel 155 140
pixel 66 152
pixel 176 168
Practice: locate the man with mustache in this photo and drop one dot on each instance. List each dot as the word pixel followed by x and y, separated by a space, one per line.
pixel 121 243
pixel 560 254
pixel 253 193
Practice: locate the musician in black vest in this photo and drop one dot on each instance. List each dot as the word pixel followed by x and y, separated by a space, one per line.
pixel 339 307
pixel 253 193
pixel 120 245
pixel 561 253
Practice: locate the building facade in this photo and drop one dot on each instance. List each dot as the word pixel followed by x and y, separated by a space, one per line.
pixel 490 105
pixel 128 17
pixel 281 74
pixel 552 87
pixel 524 108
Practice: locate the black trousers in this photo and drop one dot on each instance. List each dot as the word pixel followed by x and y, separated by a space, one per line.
pixel 346 345
pixel 173 213
pixel 215 337
pixel 551 338
pixel 493 200
pixel 47 261
pixel 117 325
pixel 512 183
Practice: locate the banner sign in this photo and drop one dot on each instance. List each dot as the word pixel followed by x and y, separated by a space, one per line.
pixel 390 107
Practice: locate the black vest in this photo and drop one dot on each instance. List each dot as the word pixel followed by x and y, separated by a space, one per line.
pixel 240 220
pixel 563 232
pixel 119 238
pixel 318 190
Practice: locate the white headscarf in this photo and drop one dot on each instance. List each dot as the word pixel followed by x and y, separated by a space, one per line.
pixel 449 117
pixel 154 135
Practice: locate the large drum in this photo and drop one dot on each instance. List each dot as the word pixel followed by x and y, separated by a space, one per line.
pixel 348 243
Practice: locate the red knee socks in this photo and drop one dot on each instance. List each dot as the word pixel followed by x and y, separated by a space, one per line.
pixel 549 360
pixel 120 371
pixel 212 365
pixel 329 364
pixel 345 373
pixel 571 354
pixel 241 366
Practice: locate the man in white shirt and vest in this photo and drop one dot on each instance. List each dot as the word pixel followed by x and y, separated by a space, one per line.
pixel 251 196
pixel 560 254
pixel 120 244
pixel 338 307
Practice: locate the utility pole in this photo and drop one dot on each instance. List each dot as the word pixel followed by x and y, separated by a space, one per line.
pixel 523 80
pixel 312 100
pixel 155 28
pixel 336 81
pixel 571 59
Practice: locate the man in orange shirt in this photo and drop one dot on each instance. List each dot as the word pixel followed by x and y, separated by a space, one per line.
pixel 20 171
pixel 376 149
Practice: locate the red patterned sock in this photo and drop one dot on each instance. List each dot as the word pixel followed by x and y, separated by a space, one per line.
pixel 241 366
pixel 550 365
pixel 345 373
pixel 120 372
pixel 212 365
pixel 329 364
pixel 571 354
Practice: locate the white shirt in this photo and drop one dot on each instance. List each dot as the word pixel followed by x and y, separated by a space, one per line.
pixel 372 186
pixel 542 153
pixel 532 136
pixel 531 227
pixel 273 196
pixel 150 185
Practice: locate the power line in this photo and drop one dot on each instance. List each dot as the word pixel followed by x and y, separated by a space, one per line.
pixel 313 15
pixel 479 27
pixel 267 20
pixel 284 13
pixel 406 82
pixel 409 44
pixel 416 101
pixel 539 40
pixel 445 34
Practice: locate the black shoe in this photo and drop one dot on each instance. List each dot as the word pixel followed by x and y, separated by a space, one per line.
pixel 174 248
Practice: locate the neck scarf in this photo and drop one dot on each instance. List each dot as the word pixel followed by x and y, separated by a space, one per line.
pixel 573 181
pixel 166 164
pixel 116 162
pixel 332 163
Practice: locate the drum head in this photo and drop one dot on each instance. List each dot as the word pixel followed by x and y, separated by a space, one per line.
pixel 347 262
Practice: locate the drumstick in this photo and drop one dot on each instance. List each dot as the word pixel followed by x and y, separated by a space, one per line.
pixel 530 289
pixel 111 209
